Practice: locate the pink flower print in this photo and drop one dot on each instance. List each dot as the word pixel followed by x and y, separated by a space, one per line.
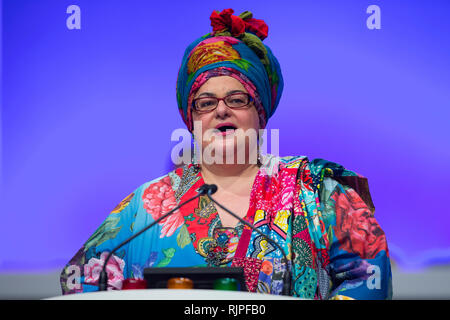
pixel 114 271
pixel 286 201
pixel 159 198
pixel 287 197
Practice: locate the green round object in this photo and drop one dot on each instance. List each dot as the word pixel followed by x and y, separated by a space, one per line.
pixel 226 284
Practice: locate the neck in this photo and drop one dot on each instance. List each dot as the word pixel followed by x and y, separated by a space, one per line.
pixel 227 174
pixel 229 170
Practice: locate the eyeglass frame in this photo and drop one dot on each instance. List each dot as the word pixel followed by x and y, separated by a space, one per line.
pixel 250 100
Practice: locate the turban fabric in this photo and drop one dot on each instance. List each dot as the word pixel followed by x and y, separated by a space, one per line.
pixel 234 48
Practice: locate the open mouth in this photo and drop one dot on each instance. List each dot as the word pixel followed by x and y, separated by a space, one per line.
pixel 226 128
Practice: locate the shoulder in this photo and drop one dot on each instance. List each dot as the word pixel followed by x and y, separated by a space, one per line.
pixel 325 176
pixel 335 178
pixel 157 182
pixel 163 185
pixel 317 166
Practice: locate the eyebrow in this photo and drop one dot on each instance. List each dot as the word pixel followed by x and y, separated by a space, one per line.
pixel 210 94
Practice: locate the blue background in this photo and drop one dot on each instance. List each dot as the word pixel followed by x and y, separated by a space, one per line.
pixel 87 114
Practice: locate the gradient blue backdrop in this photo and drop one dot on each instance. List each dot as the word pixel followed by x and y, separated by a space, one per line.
pixel 87 114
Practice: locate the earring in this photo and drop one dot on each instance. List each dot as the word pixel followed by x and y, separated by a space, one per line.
pixel 259 156
pixel 194 154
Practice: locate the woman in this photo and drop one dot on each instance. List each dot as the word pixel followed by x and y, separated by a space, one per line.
pixel 319 213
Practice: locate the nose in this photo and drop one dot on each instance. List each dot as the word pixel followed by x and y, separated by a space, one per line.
pixel 222 109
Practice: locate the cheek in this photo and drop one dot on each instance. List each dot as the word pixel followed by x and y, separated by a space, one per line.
pixel 253 119
pixel 203 121
pixel 198 120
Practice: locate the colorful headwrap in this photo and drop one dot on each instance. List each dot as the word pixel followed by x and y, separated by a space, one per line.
pixel 234 48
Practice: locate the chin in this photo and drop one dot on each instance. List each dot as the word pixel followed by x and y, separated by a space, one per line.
pixel 237 152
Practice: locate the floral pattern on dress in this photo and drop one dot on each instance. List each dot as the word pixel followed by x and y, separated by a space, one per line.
pixel 158 199
pixel 356 226
pixel 333 243
pixel 114 271
pixel 122 205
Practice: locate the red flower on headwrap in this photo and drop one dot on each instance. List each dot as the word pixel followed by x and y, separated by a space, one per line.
pixel 225 20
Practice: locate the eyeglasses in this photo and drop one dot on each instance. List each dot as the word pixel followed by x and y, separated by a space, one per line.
pixel 233 101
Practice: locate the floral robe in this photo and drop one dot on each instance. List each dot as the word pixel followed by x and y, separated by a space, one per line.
pixel 320 213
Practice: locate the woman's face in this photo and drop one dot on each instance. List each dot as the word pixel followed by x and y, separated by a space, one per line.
pixel 224 117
